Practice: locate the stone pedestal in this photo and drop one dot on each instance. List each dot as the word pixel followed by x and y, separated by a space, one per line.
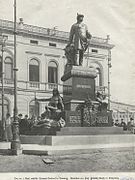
pixel 79 84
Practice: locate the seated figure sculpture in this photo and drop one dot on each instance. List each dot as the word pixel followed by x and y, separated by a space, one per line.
pixel 103 103
pixel 55 101
pixel 54 112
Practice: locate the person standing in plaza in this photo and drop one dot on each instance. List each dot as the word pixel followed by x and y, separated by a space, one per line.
pixel 130 124
pixel 8 127
pixel 24 125
pixel 20 117
pixel 123 124
pixel 117 124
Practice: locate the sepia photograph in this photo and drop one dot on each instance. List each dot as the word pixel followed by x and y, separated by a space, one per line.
pixel 67 88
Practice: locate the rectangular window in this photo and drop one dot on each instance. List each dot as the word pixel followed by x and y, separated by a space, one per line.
pixel 52 75
pixel 33 42
pixel 52 44
pixel 94 50
pixel 8 71
pixel 33 73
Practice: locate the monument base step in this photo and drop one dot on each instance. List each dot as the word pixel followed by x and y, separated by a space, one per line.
pixel 88 139
pixel 35 149
pixel 76 149
pixel 33 139
pixel 91 131
pixel 78 140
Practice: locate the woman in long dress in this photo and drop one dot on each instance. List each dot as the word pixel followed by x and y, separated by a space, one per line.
pixel 8 128
pixel 55 101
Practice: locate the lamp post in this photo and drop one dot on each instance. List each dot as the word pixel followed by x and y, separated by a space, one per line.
pixel 127 114
pixel 3 39
pixel 109 66
pixel 15 144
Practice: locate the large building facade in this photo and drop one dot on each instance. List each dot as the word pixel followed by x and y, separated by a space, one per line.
pixel 41 62
pixel 122 111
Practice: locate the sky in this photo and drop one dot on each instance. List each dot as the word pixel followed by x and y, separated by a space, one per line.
pixel 103 17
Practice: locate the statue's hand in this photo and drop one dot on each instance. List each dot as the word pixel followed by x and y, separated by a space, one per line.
pixel 89 36
pixel 88 41
pixel 69 44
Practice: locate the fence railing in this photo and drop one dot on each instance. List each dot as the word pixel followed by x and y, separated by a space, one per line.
pixel 32 85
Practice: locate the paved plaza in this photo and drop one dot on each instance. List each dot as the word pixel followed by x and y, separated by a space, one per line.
pixel 97 161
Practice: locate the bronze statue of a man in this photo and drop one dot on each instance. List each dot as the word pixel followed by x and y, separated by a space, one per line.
pixel 79 39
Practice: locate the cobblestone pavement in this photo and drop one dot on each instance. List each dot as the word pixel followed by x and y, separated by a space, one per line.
pixel 96 161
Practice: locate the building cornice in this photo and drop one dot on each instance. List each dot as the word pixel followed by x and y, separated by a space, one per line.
pixel 124 104
pixel 49 34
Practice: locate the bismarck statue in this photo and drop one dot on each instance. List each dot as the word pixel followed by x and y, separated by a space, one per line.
pixel 78 42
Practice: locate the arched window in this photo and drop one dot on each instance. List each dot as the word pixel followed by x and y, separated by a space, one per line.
pixel 6 108
pixel 98 78
pixel 8 74
pixel 52 72
pixel 34 70
pixel 33 108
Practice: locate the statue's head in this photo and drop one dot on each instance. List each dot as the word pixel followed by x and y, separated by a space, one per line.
pixel 98 94
pixel 8 115
pixel 80 17
pixel 55 92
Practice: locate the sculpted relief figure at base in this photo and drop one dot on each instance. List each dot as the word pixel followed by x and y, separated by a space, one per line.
pixel 55 102
pixel 53 117
pixel 78 42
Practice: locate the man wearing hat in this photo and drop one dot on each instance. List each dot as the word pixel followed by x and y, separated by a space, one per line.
pixel 79 36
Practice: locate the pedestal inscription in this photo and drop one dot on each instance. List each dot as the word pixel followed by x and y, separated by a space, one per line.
pixel 79 83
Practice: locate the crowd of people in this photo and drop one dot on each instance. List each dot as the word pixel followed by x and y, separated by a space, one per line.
pixel 53 116
pixel 126 126
pixel 25 124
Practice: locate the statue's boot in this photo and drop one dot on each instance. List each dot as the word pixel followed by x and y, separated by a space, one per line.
pixel 81 54
pixel 76 59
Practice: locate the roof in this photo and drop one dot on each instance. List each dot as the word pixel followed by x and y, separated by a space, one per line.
pixel 42 32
